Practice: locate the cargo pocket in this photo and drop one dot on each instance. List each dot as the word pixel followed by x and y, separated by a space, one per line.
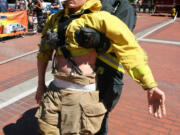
pixel 49 108
pixel 92 117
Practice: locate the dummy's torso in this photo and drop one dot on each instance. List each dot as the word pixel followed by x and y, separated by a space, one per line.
pixel 85 62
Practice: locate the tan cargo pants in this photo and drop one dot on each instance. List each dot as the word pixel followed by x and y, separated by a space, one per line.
pixel 68 112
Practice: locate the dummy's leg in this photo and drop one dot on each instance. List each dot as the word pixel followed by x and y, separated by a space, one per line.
pixel 110 87
pixel 110 104
pixel 104 126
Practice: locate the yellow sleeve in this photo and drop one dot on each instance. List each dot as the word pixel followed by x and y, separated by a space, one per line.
pixel 45 51
pixel 123 43
pixel 142 74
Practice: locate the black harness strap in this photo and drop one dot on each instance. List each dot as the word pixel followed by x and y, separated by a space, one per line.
pixel 62 26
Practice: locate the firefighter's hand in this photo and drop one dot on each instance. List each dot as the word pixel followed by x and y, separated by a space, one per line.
pixel 90 38
pixel 156 102
pixel 39 93
pixel 52 39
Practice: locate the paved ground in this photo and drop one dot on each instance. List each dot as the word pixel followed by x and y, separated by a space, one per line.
pixel 130 117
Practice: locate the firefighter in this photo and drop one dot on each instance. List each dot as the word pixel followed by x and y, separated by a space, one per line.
pixel 70 104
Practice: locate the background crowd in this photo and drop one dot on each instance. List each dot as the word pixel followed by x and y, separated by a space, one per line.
pixel 37 10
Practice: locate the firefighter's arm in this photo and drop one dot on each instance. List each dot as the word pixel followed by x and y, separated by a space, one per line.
pixel 42 66
pixel 45 50
pixel 43 56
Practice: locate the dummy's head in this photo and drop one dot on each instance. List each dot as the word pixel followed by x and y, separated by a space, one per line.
pixel 75 4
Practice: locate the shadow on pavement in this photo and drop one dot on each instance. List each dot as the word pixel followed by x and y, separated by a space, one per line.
pixel 25 125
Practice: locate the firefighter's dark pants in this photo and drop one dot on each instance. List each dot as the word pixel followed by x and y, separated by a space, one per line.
pixel 109 83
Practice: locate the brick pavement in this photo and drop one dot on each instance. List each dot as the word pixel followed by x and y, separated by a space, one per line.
pixel 147 21
pixel 171 32
pixel 130 116
pixel 22 67
pixel 18 46
pixel 18 71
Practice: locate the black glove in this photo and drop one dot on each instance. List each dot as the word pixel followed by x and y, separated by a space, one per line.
pixel 52 39
pixel 91 38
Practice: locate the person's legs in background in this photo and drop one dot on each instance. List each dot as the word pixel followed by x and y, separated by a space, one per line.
pixel 35 23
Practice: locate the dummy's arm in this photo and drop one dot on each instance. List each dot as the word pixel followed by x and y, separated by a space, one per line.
pixel 91 38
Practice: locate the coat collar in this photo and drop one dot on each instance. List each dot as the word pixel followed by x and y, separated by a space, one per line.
pixel 92 5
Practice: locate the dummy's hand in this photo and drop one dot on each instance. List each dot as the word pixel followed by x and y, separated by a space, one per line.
pixel 156 102
pixel 39 93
